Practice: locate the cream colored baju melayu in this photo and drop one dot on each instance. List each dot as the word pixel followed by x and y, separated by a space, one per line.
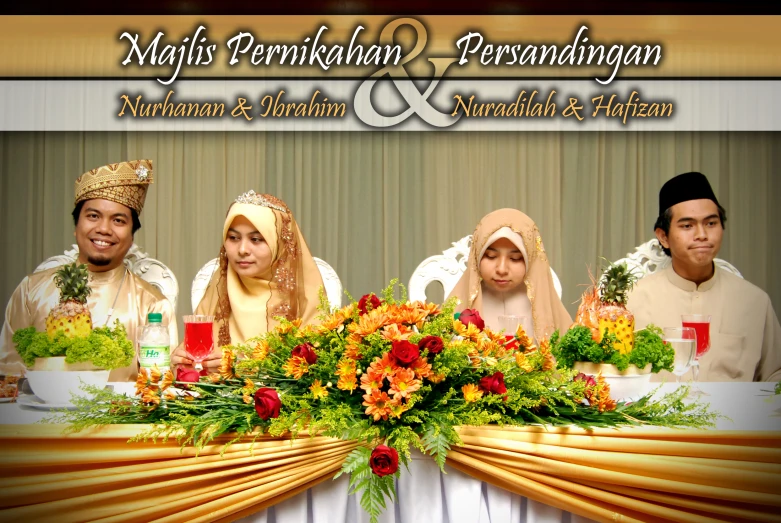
pixel 745 334
pixel 37 294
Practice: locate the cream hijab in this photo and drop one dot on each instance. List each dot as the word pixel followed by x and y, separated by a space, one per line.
pixel 536 298
pixel 247 307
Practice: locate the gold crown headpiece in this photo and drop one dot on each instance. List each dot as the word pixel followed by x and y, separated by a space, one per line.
pixel 124 182
pixel 264 200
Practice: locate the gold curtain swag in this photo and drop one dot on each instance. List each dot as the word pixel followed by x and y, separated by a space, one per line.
pixel 631 474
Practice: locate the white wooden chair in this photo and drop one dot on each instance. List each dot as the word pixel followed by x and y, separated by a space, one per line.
pixel 649 257
pixel 447 268
pixel 140 263
pixel 333 286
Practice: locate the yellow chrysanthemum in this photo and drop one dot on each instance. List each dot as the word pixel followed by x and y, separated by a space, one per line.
pixel 524 342
pixel 318 391
pixel 226 365
pixel 436 378
pixel 260 350
pixel 471 392
pixel 523 363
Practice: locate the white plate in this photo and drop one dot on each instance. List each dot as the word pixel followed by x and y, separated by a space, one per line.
pixel 6 400
pixel 29 400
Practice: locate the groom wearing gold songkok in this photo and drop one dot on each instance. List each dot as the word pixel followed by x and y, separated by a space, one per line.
pixel 108 202
pixel 745 336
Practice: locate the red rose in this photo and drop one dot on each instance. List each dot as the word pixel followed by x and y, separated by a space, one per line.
pixel 493 384
pixel 472 317
pixel 433 344
pixel 384 460
pixel 306 351
pixel 405 352
pixel 590 381
pixel 188 375
pixel 267 403
pixel 368 302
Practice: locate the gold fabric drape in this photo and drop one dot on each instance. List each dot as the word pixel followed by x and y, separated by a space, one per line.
pixel 375 204
pixel 643 474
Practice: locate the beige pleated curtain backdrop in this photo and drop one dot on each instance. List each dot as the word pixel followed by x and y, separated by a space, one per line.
pixel 375 204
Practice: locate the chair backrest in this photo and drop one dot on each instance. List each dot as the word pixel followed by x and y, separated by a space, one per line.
pixel 149 269
pixel 333 286
pixel 649 257
pixel 447 269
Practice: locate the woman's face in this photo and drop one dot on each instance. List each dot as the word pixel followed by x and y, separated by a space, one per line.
pixel 502 266
pixel 248 253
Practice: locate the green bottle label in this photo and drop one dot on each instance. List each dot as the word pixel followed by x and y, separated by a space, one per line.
pixel 148 356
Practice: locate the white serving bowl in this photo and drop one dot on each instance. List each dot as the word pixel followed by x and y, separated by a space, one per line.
pixel 59 380
pixel 628 385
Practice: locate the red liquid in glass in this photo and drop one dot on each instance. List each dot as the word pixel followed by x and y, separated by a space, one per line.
pixel 198 339
pixel 703 335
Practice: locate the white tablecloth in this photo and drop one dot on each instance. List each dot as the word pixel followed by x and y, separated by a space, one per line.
pixel 428 496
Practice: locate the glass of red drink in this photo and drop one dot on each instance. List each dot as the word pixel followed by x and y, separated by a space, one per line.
pixel 509 324
pixel 701 325
pixel 198 338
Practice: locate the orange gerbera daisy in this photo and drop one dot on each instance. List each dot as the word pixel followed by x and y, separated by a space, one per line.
pixel 296 367
pixel 141 381
pixel 394 332
pixel 332 322
pixel 404 384
pixel 431 309
pixel 318 391
pixel 155 374
pixel 168 379
pixel 599 395
pixel 421 367
pixel 385 365
pixel 371 380
pixel 377 404
pixel 471 392
pixel 353 352
pixel 150 397
pixel 549 360
pixel 369 323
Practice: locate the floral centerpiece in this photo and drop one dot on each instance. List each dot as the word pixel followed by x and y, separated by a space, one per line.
pixel 391 374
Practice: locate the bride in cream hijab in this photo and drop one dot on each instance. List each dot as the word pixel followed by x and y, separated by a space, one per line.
pixel 508 273
pixel 265 271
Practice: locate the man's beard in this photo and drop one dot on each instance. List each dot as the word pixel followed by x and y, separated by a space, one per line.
pixel 99 262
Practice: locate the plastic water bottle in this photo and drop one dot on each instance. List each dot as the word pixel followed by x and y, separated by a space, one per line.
pixel 154 344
